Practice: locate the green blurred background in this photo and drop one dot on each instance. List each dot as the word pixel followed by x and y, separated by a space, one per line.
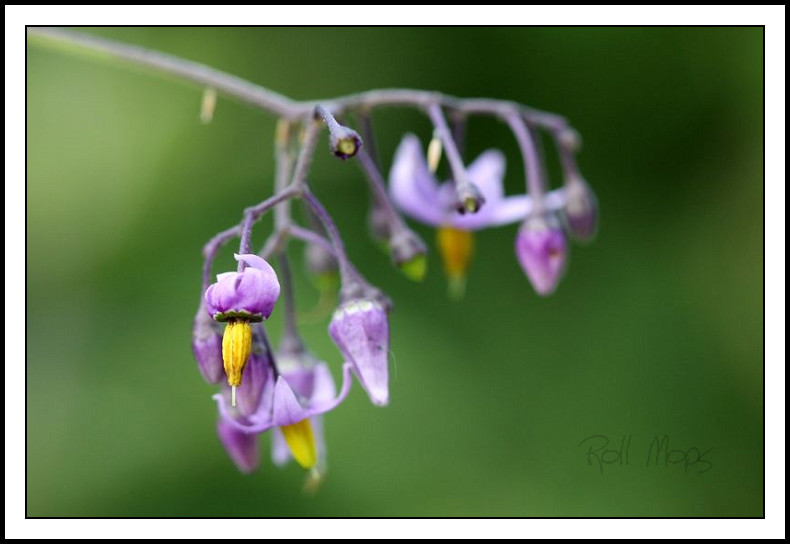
pixel 656 329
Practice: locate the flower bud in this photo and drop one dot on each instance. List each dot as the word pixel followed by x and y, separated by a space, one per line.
pixel 542 250
pixel 207 346
pixel 581 209
pixel 241 447
pixel 408 253
pixel 379 224
pixel 360 330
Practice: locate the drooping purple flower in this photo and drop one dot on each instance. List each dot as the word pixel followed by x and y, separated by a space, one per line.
pixel 242 447
pixel 249 295
pixel 416 191
pixel 207 346
pixel 292 403
pixel 360 330
pixel 581 209
pixel 541 249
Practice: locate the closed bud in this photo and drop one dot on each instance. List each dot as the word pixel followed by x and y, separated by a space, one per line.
pixel 581 209
pixel 542 251
pixel 408 253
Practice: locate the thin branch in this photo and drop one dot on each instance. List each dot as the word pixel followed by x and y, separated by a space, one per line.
pixel 259 96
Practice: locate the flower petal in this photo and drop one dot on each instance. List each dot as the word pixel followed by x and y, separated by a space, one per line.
pixel 487 172
pixel 412 186
pixel 286 409
pixel 241 447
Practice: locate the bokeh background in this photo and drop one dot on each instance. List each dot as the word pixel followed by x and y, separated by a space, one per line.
pixel 656 329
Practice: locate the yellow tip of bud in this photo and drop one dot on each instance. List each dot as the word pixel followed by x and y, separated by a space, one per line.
pixel 416 268
pixel 301 442
pixel 236 348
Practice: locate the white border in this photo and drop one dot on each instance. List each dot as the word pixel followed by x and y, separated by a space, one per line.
pixel 771 16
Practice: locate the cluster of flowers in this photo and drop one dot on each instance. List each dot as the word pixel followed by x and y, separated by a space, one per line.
pixel 288 390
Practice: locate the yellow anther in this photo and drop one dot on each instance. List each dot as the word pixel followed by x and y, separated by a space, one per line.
pixel 236 348
pixel 456 247
pixel 434 154
pixel 301 442
pixel 207 106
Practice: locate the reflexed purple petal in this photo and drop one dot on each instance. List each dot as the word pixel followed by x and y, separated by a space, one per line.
pixel 542 252
pixel 412 186
pixel 253 382
pixel 281 453
pixel 287 409
pixel 487 172
pixel 361 331
pixel 207 347
pixel 253 291
pixel 241 447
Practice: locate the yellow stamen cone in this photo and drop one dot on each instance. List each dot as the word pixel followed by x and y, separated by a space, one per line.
pixel 456 247
pixel 236 348
pixel 301 442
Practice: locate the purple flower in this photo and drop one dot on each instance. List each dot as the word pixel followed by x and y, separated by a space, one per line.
pixel 241 447
pixel 207 346
pixel 239 298
pixel 581 209
pixel 360 330
pixel 418 194
pixel 249 295
pixel 542 250
pixel 292 403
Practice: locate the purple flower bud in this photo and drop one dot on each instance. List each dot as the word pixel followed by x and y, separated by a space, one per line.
pixel 360 330
pixel 207 346
pixel 541 249
pixel 379 223
pixel 257 373
pixel 581 209
pixel 249 294
pixel 241 447
pixel 408 253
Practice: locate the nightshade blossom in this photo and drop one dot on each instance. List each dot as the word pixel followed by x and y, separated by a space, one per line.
pixel 360 330
pixel 283 405
pixel 417 192
pixel 542 251
pixel 239 298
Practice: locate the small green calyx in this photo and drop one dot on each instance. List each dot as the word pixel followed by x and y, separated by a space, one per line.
pixel 415 269
pixel 232 316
